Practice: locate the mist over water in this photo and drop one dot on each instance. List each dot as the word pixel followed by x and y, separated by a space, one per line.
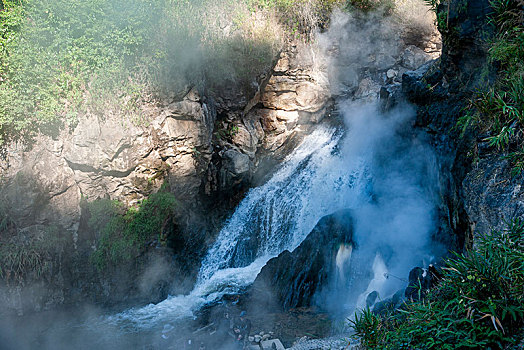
pixel 393 227
pixel 379 168
pixel 314 181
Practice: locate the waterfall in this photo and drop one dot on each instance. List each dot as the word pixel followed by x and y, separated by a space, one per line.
pixel 314 180
pixel 376 167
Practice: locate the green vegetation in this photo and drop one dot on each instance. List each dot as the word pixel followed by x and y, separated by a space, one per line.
pixel 60 59
pixel 22 257
pixel 499 110
pixel 433 4
pixel 370 5
pixel 441 19
pixel 122 234
pixel 479 303
pixel 299 16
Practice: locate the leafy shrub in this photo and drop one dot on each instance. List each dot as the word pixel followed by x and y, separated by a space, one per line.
pixel 433 4
pixel 370 5
pixel 62 53
pixel 123 234
pixel 479 302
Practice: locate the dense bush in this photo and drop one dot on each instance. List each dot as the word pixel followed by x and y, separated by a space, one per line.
pixel 300 16
pixel 122 234
pixel 479 303
pixel 62 58
pixel 371 5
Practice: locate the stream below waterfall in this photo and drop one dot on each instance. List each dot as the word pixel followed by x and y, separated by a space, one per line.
pixel 314 181
pixel 377 167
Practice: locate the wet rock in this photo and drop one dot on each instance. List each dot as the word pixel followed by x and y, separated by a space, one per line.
pixel 273 344
pixel 464 53
pixel 413 57
pixel 389 96
pixel 416 284
pixel 391 304
pixel 417 84
pixel 292 279
pixel 367 89
pixel 492 195
pixel 371 298
pixel 391 73
pixel 235 162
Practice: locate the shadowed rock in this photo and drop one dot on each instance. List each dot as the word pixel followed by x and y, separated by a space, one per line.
pixel 293 278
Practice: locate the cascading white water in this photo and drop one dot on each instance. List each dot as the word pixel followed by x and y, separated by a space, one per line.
pixel 314 181
pixel 385 176
pixel 342 258
pixel 376 284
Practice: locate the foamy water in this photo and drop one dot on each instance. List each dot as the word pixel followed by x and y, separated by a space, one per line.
pixel 314 181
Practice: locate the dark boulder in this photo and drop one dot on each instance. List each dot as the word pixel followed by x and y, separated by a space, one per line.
pixel 419 85
pixel 421 281
pixel 416 283
pixel 293 278
pixel 371 298
pixel 390 304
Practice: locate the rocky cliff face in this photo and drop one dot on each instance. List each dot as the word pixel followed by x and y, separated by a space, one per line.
pixel 206 148
pixel 210 149
pixel 492 194
pixel 248 137
pixel 478 190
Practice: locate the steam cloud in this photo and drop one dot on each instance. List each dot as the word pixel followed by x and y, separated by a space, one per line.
pixel 393 228
pixel 398 220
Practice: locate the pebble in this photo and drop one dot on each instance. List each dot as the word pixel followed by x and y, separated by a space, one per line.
pixel 333 343
pixel 391 73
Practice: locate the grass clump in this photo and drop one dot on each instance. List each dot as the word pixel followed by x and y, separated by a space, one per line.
pixel 371 5
pixel 23 257
pixel 499 110
pixel 479 303
pixel 122 234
